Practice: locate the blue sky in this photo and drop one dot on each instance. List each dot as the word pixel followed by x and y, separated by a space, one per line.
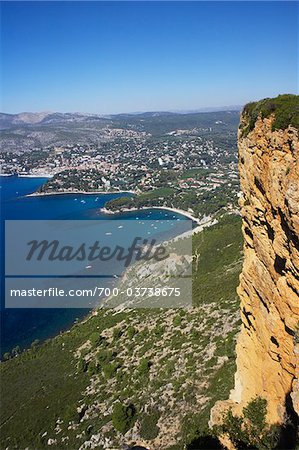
pixel 110 57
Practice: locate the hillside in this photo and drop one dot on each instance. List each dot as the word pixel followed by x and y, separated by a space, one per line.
pixel 24 132
pixel 146 376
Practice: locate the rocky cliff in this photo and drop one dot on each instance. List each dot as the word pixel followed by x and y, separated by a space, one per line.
pixel 268 344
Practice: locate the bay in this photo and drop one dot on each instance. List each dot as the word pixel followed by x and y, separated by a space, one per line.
pixel 23 326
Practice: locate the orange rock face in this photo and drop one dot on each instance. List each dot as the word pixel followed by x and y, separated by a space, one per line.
pixel 267 347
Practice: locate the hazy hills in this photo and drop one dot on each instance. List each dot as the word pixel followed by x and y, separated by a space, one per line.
pixel 25 131
pixel 31 118
pixel 27 118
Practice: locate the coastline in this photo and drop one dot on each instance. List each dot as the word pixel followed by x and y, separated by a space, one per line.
pixel 187 214
pixel 168 208
pixel 41 175
pixel 201 223
pixel 43 194
pixel 182 212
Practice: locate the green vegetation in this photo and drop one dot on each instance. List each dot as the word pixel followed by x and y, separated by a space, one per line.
pixel 250 429
pixel 131 331
pixel 86 381
pixel 285 109
pixel 148 425
pixel 198 173
pixel 155 197
pixel 177 321
pixel 144 367
pixel 123 417
pixel 119 203
pixel 38 385
pixel 209 202
pixel 217 261
pixel 82 180
pixel 163 123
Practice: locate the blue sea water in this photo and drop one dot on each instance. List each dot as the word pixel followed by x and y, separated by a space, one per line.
pixel 22 326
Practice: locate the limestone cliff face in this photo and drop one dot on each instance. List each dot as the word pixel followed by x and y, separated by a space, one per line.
pixel 267 347
pixel 267 358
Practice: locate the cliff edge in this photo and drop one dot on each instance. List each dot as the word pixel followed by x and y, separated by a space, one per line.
pixel 268 344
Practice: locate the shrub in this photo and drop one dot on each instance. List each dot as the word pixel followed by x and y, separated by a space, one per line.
pixel 285 109
pixel 95 339
pixel 110 369
pixel 117 332
pixel 82 365
pixel 71 414
pixel 144 366
pixel 123 417
pixel 250 429
pixel 194 429
pixel 16 351
pixel 93 368
pixel 148 426
pixel 255 413
pixel 105 356
pixel 119 203
pixel 131 331
pixel 159 330
pixel 177 321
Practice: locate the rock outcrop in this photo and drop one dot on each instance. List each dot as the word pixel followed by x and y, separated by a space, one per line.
pixel 268 345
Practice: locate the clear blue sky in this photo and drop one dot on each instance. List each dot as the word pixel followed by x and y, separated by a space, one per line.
pixel 109 57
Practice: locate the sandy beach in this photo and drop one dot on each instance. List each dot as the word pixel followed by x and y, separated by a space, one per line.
pixel 168 208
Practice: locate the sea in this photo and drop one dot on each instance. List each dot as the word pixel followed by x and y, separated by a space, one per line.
pixel 20 327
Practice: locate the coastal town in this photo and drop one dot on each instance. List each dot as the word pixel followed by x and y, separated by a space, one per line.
pixel 171 168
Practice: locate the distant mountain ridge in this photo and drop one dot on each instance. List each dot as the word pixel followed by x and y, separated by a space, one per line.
pixel 30 118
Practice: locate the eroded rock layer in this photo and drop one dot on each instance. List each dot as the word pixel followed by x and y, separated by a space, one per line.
pixel 267 347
